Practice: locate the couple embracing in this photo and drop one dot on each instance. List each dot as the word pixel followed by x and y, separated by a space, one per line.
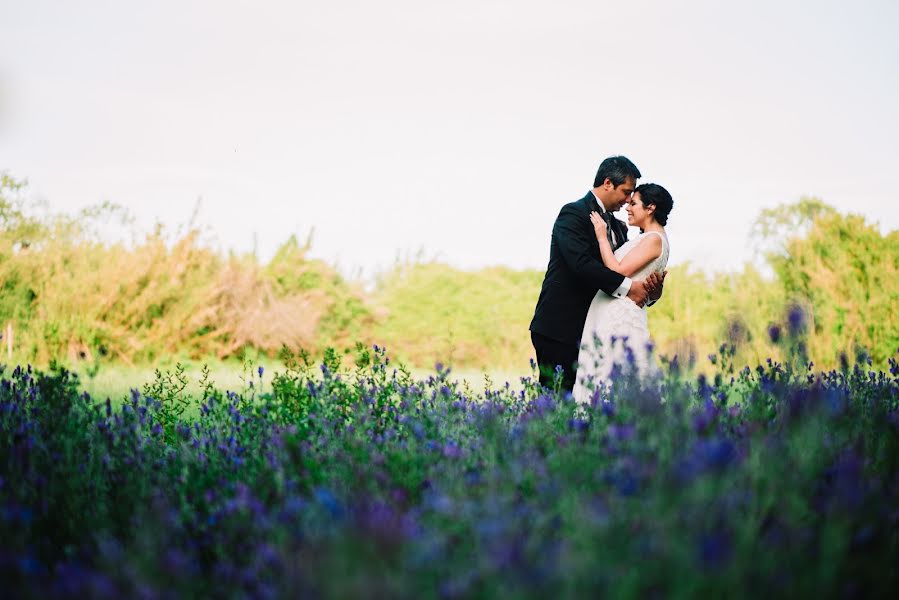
pixel 591 312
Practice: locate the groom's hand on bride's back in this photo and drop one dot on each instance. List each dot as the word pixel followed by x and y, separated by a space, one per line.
pixel 638 292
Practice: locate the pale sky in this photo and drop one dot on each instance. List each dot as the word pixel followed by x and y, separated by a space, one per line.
pixel 455 128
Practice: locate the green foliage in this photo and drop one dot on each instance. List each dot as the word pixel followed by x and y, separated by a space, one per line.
pixel 435 313
pixel 74 298
pixel 19 228
pixel 848 274
pixel 774 227
pixel 697 310
pixel 344 315
pixel 168 388
pixel 71 297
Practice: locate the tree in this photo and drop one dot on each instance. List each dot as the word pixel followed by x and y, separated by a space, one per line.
pixel 17 228
pixel 847 271
pixel 774 227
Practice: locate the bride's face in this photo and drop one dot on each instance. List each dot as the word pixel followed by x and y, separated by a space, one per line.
pixel 637 214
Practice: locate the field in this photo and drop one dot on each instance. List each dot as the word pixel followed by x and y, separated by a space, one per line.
pixel 69 296
pixel 368 480
pixel 117 381
pixel 286 467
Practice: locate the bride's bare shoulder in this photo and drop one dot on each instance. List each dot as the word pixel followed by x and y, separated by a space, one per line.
pixel 649 241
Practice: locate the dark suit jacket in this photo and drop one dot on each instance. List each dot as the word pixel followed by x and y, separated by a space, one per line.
pixel 574 274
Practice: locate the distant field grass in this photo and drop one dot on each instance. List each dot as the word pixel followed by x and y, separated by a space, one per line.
pixel 117 381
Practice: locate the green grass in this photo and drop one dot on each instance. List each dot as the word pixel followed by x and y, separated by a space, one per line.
pixel 116 381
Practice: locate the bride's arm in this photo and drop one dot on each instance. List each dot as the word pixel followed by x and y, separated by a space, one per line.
pixel 649 248
pixel 605 249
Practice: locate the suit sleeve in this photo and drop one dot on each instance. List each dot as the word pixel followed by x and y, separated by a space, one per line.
pixel 577 252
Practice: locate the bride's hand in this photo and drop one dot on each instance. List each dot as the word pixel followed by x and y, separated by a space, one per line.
pixel 654 284
pixel 598 224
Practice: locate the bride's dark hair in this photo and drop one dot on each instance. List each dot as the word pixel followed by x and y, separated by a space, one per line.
pixel 652 194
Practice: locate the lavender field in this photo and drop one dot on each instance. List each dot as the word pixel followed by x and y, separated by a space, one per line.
pixel 326 481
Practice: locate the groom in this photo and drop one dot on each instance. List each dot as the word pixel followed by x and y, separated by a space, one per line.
pixel 576 272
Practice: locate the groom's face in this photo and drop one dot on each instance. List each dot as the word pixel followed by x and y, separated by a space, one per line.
pixel 620 194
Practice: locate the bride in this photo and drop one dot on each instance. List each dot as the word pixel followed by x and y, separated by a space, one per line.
pixel 616 327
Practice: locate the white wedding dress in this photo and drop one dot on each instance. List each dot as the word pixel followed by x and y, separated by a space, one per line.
pixel 616 327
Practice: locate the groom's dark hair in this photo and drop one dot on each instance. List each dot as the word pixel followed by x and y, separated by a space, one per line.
pixel 617 169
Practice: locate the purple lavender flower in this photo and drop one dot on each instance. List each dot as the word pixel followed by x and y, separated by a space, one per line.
pixel 703 419
pixel 796 319
pixel 716 453
pixel 452 450
pixel 621 433
pixel 715 549
pixel 330 502
pixel 674 366
pixel 578 425
pixel 774 332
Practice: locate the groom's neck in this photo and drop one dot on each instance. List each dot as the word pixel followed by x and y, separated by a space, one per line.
pixel 598 192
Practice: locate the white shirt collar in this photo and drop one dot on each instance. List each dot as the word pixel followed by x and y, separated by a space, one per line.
pixel 602 208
